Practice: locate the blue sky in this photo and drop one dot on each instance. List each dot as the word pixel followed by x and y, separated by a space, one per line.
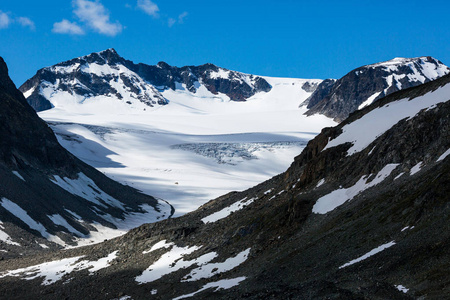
pixel 284 38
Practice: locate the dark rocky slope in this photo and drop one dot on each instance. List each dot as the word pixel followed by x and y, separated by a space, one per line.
pixel 366 84
pixel 294 252
pixel 107 74
pixel 31 161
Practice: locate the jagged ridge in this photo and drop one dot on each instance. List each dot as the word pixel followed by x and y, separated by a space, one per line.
pixel 106 74
pixel 364 85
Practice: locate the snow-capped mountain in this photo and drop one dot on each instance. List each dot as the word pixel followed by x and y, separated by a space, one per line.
pixel 47 195
pixel 367 84
pixel 362 213
pixel 103 77
pixel 228 129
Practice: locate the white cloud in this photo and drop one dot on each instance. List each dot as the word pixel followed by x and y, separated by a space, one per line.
pixel 96 16
pixel 148 7
pixel 182 16
pixel 180 19
pixel 171 22
pixel 26 22
pixel 67 27
pixel 4 20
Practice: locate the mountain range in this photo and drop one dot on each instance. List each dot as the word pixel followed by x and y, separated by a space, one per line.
pixel 361 213
pixel 208 129
pixel 106 74
pixel 48 196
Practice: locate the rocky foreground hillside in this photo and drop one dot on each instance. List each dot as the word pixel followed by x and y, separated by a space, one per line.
pixel 360 87
pixel 362 213
pixel 48 197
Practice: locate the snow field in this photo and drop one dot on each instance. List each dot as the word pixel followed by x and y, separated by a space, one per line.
pixel 85 188
pixel 401 288
pixel 55 270
pixel 135 147
pixel 338 197
pixel 221 284
pixel 4 237
pixel 362 132
pixel 18 175
pixel 210 269
pixel 416 168
pixel 225 212
pixel 21 214
pixel 173 260
pixel 368 254
pixel 444 155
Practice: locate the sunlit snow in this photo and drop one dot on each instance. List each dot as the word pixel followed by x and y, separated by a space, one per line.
pixel 225 212
pixel 54 271
pixel 338 197
pixel 221 284
pixel 368 254
pixel 5 237
pixel 174 152
pixel 210 269
pixel 365 130
pixel 173 261
pixel 416 168
pixel 159 245
pixel 444 155
pixel 401 288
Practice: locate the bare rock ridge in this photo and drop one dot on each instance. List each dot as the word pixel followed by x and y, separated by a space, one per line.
pixel 48 196
pixel 106 74
pixel 364 85
pixel 362 213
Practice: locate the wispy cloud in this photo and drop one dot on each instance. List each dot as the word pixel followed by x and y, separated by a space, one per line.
pixel 67 27
pixel 26 22
pixel 182 16
pixel 96 16
pixel 179 20
pixel 171 22
pixel 148 7
pixel 5 20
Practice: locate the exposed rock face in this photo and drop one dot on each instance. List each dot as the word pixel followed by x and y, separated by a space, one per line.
pixel 106 74
pixel 383 234
pixel 47 195
pixel 95 76
pixel 321 91
pixel 367 84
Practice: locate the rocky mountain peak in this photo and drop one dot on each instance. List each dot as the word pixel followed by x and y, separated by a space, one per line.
pixel 364 85
pixel 110 56
pixel 163 65
pixel 5 82
pixel 107 74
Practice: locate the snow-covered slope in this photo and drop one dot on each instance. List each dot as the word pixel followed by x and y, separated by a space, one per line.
pixel 48 196
pixel 197 147
pixel 211 131
pixel 362 86
pixel 362 213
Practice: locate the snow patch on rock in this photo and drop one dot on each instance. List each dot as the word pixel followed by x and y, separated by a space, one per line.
pixel 338 197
